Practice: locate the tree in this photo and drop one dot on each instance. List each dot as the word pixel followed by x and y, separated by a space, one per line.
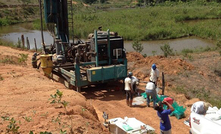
pixel 137 46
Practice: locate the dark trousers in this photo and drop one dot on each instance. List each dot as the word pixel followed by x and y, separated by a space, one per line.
pixel 129 95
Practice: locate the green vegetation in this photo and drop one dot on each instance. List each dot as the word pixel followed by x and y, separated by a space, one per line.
pixel 9 16
pixel 13 126
pixel 20 60
pixel 23 58
pixel 6 43
pixel 186 52
pixel 8 60
pixel 137 46
pixel 167 50
pixel 28 119
pixel 163 21
pixel 202 94
pixel 56 98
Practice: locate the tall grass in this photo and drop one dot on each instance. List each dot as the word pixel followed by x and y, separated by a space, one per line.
pixel 166 21
pixel 202 94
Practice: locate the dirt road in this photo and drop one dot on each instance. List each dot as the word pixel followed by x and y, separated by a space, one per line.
pixel 25 94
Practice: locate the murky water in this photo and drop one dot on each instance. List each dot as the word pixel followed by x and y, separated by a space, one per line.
pixel 151 47
pixel 12 33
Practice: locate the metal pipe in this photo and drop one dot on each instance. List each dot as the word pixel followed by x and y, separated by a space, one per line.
pixel 79 45
pixel 108 46
pixel 42 36
pixel 96 48
pixel 90 53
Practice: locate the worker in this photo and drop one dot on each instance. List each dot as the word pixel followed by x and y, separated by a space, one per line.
pixel 151 92
pixel 200 107
pixel 128 89
pixel 154 74
pixel 135 83
pixel 163 114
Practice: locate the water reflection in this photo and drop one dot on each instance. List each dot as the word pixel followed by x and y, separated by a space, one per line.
pixel 151 47
pixel 12 33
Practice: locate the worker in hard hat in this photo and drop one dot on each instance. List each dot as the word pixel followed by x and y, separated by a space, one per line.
pixel 135 83
pixel 154 74
pixel 128 88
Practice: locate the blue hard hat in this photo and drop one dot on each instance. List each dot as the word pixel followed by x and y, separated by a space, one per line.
pixel 154 66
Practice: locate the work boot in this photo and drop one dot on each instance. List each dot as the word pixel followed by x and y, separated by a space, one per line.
pixel 131 103
pixel 128 103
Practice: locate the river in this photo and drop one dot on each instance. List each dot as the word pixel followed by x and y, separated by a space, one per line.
pixel 12 33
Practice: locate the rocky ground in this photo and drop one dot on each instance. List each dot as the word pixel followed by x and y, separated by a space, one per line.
pixel 26 94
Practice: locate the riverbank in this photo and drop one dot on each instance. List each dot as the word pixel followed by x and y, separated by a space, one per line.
pixel 14 11
pixel 194 78
pixel 166 21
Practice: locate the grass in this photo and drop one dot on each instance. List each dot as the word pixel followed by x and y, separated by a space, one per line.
pixel 8 60
pixel 23 58
pixel 202 94
pixel 7 43
pixel 151 23
pixel 20 60
pixel 10 16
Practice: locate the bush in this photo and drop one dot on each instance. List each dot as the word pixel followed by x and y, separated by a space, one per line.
pixel 167 50
pixel 137 46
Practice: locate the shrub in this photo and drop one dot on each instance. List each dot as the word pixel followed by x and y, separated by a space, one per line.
pixel 167 50
pixel 23 58
pixel 137 46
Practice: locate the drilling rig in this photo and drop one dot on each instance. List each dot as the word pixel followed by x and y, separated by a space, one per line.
pixel 99 59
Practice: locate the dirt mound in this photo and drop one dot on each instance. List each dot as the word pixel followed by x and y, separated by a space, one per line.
pixel 26 96
pixel 140 65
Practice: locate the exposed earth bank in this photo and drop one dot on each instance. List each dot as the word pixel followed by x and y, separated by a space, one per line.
pixel 25 94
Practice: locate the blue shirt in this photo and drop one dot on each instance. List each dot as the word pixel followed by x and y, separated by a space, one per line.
pixel 164 120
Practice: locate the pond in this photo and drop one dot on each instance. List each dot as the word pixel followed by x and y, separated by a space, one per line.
pixel 12 33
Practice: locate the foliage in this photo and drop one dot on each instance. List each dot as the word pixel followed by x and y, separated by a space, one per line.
pixel 137 46
pixel 186 51
pixel 23 58
pixel 4 22
pixel 13 126
pixel 6 43
pixel 18 44
pixel 1 78
pixel 201 93
pixel 28 119
pixel 56 98
pixel 7 60
pixel 167 50
pixel 25 1
pixel 163 21
pixel 154 53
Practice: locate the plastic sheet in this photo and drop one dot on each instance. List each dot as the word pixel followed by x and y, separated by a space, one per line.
pixel 178 111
